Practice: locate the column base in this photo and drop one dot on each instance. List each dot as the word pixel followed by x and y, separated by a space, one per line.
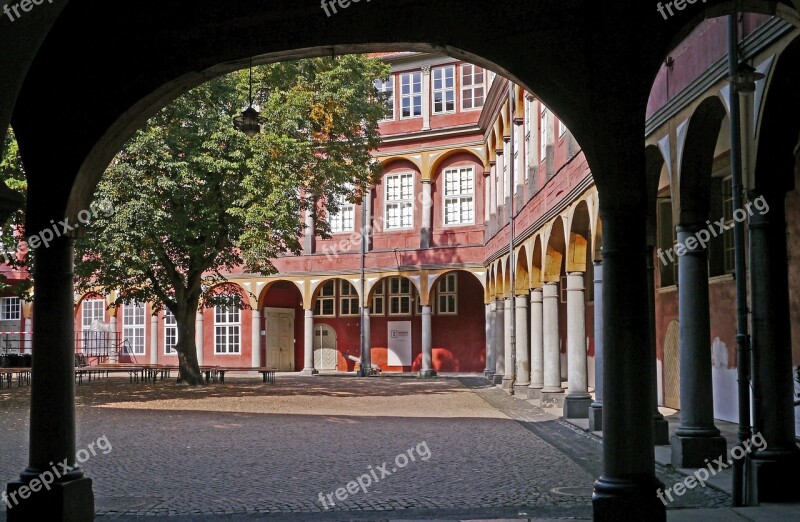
pixel 72 500
pixel 497 378
pixel 596 416
pixel 521 390
pixel 660 431
pixel 506 383
pixel 577 407
pixel 309 371
pixel 427 374
pixel 692 452
pixel 632 498
pixel 534 392
pixel 552 399
pixel 769 472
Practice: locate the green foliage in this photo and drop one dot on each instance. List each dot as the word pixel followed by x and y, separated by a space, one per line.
pixel 14 255
pixel 194 198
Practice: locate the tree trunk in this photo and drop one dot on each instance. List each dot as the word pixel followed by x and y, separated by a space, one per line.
pixel 188 368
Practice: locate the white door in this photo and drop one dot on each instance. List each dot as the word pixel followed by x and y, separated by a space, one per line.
pixel 280 338
pixel 325 348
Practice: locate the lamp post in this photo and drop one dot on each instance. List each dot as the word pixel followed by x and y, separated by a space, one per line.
pixel 249 121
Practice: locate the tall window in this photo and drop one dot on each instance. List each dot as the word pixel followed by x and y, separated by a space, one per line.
pixel 410 95
pixel 325 306
pixel 170 333
pixel 399 201
pixel 400 296
pixel 227 330
pixel 344 220
pixel 668 266
pixel 727 212
pixel 447 295
pixel 472 87
pixel 459 196
pixel 386 88
pixel 543 135
pixel 133 327
pixel 378 300
pixel 348 298
pixel 10 309
pixel 92 310
pixel 444 89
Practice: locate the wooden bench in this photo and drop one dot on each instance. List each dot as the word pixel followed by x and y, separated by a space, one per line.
pixel 268 374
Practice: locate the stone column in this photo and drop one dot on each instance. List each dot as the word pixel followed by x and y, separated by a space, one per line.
pixel 508 314
pixel 310 233
pixel 773 387
pixel 696 439
pixel 628 487
pixel 308 344
pixel 153 339
pixel 52 410
pixel 537 346
pixel 113 353
pixel 28 337
pixel 523 347
pixel 426 97
pixel 552 394
pixel 660 424
pixel 367 337
pixel 578 399
pixel 255 339
pixel 492 182
pixel 427 344
pixel 499 341
pixel 427 207
pixel 198 337
pixel 596 409
pixel 490 312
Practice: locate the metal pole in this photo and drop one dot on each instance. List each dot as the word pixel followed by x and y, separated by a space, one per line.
pixel 512 266
pixel 366 363
pixel 740 468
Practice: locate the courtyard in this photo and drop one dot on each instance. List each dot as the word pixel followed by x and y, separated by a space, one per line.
pixel 251 450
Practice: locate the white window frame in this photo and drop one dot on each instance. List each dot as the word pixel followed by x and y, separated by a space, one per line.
pixel 133 327
pixel 227 330
pixel 447 290
pixel 562 129
pixel 402 298
pixel 95 306
pixel 170 333
pixel 348 299
pixel 378 296
pixel 442 75
pixel 386 85
pixel 413 97
pixel 470 71
pixel 459 198
pixel 344 220
pixel 543 135
pixel 10 309
pixel 326 294
pixel 404 205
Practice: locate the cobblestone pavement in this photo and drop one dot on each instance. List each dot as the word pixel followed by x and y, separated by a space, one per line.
pixel 177 452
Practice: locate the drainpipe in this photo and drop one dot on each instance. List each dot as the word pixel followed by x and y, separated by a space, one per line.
pixel 366 362
pixel 512 266
pixel 740 468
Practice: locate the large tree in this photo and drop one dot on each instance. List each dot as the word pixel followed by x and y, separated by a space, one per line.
pixel 194 198
pixel 15 255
